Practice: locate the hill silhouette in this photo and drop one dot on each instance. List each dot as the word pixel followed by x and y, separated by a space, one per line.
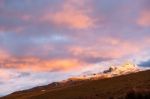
pixel 130 86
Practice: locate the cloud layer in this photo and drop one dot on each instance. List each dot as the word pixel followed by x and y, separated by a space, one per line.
pixel 70 36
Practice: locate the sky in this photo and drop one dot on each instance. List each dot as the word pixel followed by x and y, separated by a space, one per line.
pixel 42 41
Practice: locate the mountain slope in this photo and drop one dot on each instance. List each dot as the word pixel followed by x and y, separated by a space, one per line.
pixel 89 89
pixel 112 71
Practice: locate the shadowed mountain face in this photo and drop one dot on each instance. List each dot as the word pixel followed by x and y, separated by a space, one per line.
pixel 131 86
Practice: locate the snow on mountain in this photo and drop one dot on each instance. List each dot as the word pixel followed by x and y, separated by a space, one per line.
pixel 123 69
pixel 112 71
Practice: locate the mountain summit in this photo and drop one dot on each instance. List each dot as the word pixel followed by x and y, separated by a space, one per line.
pixel 123 69
pixel 112 71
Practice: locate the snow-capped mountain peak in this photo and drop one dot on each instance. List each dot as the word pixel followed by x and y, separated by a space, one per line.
pixel 112 71
pixel 123 69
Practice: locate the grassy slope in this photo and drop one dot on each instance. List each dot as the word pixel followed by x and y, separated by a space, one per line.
pixel 96 89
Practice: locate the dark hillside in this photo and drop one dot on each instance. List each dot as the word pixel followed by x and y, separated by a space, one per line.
pixel 131 86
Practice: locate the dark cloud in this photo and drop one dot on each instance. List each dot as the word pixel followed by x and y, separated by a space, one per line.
pixel 145 63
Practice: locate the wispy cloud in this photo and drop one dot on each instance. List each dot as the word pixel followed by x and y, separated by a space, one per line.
pixel 73 14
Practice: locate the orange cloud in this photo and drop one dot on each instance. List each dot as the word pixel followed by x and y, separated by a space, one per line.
pixel 144 19
pixel 71 15
pixel 39 65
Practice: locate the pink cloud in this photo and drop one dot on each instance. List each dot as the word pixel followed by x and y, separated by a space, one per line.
pixel 16 29
pixel 4 75
pixel 26 17
pixel 4 54
pixel 71 15
pixel 107 48
pixel 144 18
